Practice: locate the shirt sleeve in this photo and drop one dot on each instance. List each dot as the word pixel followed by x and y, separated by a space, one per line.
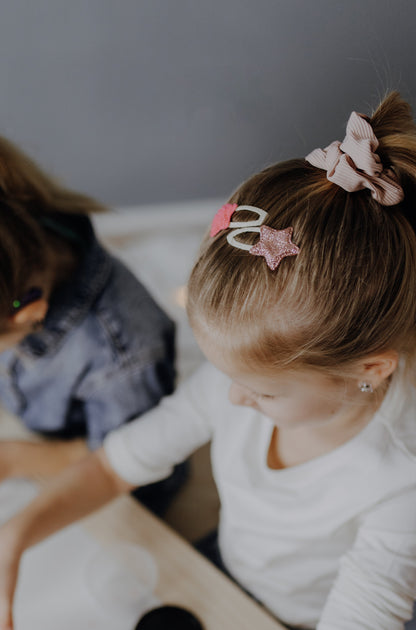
pixel 113 398
pixel 376 584
pixel 147 449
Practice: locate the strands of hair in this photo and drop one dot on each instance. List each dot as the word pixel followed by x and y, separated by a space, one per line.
pixel 26 194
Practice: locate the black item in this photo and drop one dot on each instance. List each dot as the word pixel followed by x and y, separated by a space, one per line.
pixel 169 618
pixel 158 496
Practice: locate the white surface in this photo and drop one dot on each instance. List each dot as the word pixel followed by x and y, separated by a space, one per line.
pixel 122 579
pixel 59 587
pixel 14 495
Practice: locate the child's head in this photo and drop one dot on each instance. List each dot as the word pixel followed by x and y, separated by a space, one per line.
pixel 27 195
pixel 349 292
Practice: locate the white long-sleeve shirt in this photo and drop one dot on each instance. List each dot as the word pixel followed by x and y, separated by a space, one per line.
pixel 328 544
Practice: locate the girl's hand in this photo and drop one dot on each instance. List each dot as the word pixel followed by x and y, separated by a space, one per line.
pixel 9 567
pixel 38 460
pixel 79 490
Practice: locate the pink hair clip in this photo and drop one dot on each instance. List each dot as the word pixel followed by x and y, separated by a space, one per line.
pixel 222 218
pixel 274 245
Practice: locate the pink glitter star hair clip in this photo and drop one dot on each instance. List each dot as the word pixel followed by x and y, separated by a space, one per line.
pixel 274 245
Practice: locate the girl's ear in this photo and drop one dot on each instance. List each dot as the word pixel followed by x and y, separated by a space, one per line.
pixel 379 367
pixel 31 313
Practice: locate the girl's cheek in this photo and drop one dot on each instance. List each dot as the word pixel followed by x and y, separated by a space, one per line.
pixel 275 410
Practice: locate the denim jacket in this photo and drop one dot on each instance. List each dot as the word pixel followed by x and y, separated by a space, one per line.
pixel 104 356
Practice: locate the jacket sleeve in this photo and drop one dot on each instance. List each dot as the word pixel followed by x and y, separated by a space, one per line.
pixel 376 584
pixel 113 397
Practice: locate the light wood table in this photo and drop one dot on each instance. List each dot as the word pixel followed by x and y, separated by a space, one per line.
pixel 186 578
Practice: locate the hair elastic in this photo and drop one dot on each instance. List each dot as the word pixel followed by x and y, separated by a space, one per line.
pixel 274 245
pixel 354 164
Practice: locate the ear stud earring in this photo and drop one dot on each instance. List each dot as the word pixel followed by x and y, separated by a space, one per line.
pixel 365 387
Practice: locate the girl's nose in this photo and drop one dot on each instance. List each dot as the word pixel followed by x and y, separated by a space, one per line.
pixel 239 395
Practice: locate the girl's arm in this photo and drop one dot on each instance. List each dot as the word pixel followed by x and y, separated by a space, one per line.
pixel 375 587
pixel 39 459
pixel 79 490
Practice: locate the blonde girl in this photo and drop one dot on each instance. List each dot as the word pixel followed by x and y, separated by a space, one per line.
pixel 303 300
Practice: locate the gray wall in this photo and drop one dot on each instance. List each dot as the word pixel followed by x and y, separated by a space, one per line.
pixel 138 101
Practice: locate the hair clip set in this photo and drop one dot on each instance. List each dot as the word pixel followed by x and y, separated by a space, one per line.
pixel 274 245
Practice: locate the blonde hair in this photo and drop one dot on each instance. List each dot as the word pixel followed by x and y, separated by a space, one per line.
pixel 348 294
pixel 26 194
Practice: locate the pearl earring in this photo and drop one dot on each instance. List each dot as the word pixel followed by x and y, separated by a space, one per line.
pixel 365 387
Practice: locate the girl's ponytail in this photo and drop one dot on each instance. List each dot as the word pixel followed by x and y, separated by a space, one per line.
pixel 393 124
pixel 395 129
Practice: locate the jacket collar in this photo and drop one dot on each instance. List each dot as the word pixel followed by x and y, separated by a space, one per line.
pixel 71 302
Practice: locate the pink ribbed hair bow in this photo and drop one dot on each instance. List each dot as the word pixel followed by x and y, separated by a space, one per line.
pixel 353 164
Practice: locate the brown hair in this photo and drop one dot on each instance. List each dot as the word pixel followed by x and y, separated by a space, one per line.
pixel 350 292
pixel 27 193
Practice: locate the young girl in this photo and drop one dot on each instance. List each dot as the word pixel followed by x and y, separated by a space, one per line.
pixel 84 348
pixel 302 300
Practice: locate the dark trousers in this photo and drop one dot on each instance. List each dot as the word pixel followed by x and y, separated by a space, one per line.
pixel 158 496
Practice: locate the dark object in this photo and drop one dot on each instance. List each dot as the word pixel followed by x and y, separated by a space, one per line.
pixel 169 618
pixel 158 496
